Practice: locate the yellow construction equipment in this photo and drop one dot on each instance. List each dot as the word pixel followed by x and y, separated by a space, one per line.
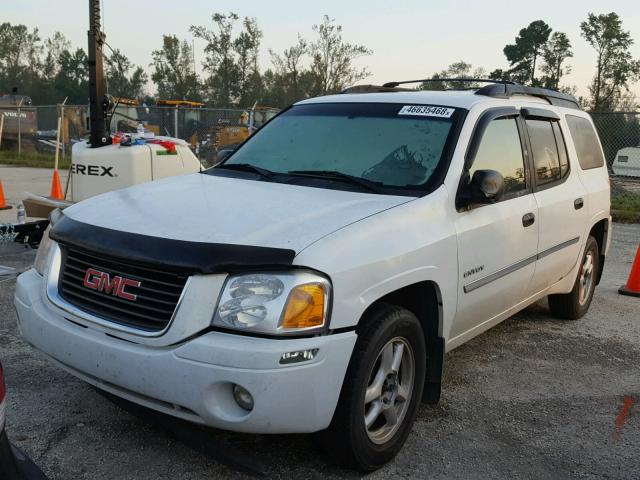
pixel 179 103
pixel 228 136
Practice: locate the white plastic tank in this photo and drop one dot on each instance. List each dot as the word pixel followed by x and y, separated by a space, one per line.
pixel 104 169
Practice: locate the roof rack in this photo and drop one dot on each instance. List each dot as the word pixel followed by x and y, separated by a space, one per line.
pixel 438 80
pixel 495 89
pixel 507 90
pixel 373 89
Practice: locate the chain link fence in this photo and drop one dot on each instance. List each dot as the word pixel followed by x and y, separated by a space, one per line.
pixel 207 130
pixel 28 130
pixel 620 137
pixel 33 129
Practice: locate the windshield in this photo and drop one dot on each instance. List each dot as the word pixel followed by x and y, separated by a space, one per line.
pixel 393 145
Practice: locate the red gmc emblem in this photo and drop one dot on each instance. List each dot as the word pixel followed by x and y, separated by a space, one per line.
pixel 102 282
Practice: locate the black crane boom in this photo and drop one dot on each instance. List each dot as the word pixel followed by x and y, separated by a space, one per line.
pixel 98 131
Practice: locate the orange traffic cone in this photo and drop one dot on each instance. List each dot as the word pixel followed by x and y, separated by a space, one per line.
pixel 56 187
pixel 632 287
pixel 3 201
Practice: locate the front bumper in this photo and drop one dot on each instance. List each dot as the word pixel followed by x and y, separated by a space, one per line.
pixel 194 379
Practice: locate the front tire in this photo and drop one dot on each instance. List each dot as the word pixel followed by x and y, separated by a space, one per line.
pixel 381 391
pixel 575 304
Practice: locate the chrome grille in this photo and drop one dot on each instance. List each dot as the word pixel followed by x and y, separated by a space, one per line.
pixel 156 297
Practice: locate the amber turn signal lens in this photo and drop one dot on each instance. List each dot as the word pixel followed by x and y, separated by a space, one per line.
pixel 305 307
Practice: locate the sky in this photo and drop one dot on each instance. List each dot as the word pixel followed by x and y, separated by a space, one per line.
pixel 410 39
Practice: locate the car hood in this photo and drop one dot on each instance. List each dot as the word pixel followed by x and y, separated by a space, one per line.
pixel 213 209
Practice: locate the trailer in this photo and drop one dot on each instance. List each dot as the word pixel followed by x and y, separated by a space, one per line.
pixel 20 118
pixel 29 233
pixel 627 162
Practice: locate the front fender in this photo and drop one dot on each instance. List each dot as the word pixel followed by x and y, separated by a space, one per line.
pixel 380 254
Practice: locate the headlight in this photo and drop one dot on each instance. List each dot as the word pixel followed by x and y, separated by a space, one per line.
pixel 46 244
pixel 274 303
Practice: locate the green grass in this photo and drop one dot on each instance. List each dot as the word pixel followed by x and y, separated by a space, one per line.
pixel 625 207
pixel 32 159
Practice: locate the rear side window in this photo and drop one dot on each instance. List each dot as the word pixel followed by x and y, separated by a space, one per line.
pixel 586 141
pixel 500 149
pixel 548 149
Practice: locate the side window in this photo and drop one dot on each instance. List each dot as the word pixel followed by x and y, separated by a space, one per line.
pixel 548 150
pixel 500 149
pixel 586 141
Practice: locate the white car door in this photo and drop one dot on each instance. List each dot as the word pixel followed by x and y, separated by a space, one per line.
pixel 560 196
pixel 497 243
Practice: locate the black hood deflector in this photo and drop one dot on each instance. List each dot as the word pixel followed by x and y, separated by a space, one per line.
pixel 167 254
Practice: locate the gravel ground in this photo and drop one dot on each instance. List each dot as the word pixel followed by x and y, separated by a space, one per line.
pixel 532 398
pixel 631 184
pixel 17 181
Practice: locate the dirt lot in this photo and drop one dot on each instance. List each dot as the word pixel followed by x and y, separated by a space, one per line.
pixel 17 181
pixel 533 398
pixel 630 184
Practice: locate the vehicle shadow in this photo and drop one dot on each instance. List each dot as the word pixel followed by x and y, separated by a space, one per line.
pixel 257 456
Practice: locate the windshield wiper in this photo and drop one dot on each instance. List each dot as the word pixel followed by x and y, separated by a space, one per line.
pixel 345 177
pixel 247 167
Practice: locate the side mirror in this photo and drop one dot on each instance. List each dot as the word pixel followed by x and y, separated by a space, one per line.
pixel 489 183
pixel 486 186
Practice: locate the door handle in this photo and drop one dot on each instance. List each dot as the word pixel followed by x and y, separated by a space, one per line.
pixel 528 219
pixel 578 203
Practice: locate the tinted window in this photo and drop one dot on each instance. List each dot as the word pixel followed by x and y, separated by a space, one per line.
pixel 500 150
pixel 586 142
pixel 548 150
pixel 377 142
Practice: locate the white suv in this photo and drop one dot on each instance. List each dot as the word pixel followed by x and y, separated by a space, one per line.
pixel 314 280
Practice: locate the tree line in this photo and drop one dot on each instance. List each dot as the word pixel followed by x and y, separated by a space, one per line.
pixel 50 69
pixel 539 57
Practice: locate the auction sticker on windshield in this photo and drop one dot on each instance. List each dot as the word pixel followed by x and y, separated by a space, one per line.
pixel 426 111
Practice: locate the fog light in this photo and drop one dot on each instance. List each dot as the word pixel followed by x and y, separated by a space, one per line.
pixel 243 397
pixel 299 356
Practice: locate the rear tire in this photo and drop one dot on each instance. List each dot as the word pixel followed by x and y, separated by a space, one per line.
pixel 381 392
pixel 573 305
